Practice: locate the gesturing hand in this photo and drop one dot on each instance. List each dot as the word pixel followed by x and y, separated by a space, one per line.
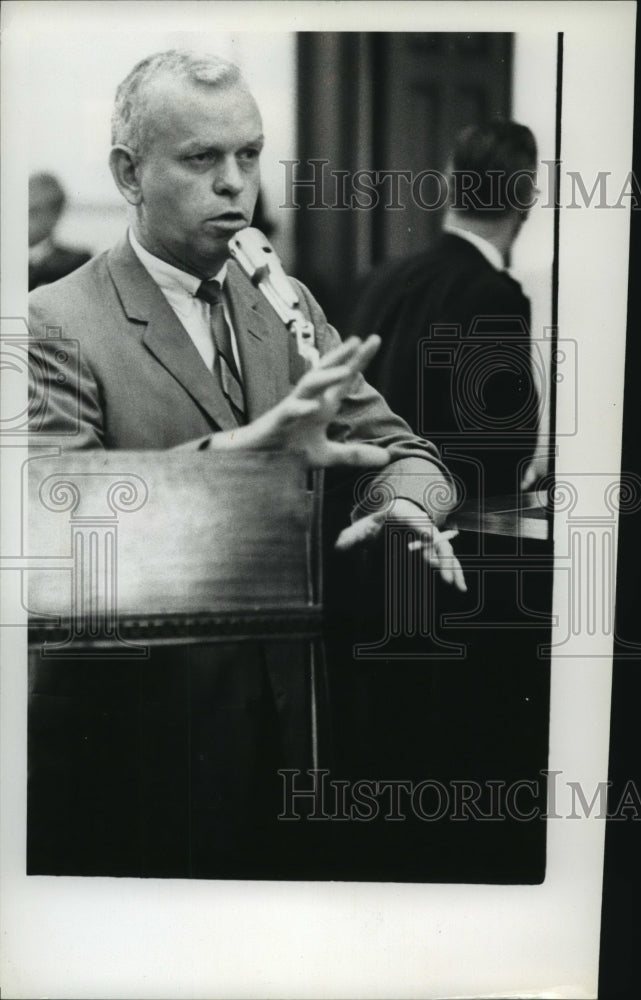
pixel 434 545
pixel 299 422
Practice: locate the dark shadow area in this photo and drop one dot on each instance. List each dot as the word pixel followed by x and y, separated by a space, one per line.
pixel 454 714
pixel 621 913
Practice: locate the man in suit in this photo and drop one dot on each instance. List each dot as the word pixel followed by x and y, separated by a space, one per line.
pixel 455 326
pixel 187 137
pixel 48 260
pixel 178 350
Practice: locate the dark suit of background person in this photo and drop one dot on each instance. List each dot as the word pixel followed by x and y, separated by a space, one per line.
pixel 478 401
pixel 199 793
pixel 475 718
pixel 48 261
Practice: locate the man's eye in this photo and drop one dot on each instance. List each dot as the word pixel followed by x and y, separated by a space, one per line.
pixel 200 158
pixel 248 155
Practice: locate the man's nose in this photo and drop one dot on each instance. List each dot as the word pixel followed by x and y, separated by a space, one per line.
pixel 229 177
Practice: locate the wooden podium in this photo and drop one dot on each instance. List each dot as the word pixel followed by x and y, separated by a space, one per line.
pixel 160 584
pixel 169 547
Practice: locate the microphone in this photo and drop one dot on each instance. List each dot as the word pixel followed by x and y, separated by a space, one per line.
pixel 258 259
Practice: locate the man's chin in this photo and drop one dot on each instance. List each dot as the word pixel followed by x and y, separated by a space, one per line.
pixel 208 255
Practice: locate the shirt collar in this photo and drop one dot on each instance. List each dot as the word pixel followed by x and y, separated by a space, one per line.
pixel 491 254
pixel 168 277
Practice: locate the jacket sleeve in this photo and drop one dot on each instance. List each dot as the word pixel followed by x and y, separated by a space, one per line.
pixel 415 472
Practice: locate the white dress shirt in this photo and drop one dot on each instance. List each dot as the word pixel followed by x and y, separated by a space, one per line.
pixel 179 288
pixel 489 251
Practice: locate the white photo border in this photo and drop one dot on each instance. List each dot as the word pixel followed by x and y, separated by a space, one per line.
pixel 82 937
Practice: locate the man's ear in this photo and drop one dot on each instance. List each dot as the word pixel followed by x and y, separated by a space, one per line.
pixel 125 168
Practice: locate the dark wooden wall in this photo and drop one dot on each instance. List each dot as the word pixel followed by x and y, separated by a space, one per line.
pixel 383 102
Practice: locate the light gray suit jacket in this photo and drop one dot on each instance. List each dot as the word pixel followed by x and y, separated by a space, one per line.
pixel 113 367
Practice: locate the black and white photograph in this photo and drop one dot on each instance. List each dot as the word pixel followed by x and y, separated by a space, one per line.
pixel 317 493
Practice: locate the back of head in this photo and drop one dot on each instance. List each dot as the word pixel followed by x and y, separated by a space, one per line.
pixel 493 167
pixel 46 202
pixel 129 123
pixel 45 187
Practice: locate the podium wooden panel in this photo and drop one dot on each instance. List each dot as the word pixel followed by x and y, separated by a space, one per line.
pixel 170 546
pixel 175 660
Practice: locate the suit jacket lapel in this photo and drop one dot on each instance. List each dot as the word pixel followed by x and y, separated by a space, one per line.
pixel 263 344
pixel 164 336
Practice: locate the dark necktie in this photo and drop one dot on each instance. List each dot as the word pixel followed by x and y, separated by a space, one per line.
pixel 224 363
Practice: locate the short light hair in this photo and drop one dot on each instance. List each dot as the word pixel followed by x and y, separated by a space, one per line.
pixel 129 122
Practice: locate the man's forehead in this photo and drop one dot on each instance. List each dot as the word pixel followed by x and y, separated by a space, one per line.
pixel 178 101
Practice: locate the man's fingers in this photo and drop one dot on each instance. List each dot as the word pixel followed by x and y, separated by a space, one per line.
pixel 354 352
pixel 299 422
pixel 459 577
pixel 339 354
pixel 436 548
pixel 420 543
pixel 454 572
pixel 367 350
pixel 449 565
pixel 336 370
pixel 445 554
pixel 318 380
pixel 300 407
pixel 363 353
pixel 363 530
pixel 438 552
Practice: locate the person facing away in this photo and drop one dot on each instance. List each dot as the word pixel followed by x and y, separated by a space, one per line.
pixel 455 360
pixel 48 259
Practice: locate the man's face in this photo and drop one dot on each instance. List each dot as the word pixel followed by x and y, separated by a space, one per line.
pixel 200 174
